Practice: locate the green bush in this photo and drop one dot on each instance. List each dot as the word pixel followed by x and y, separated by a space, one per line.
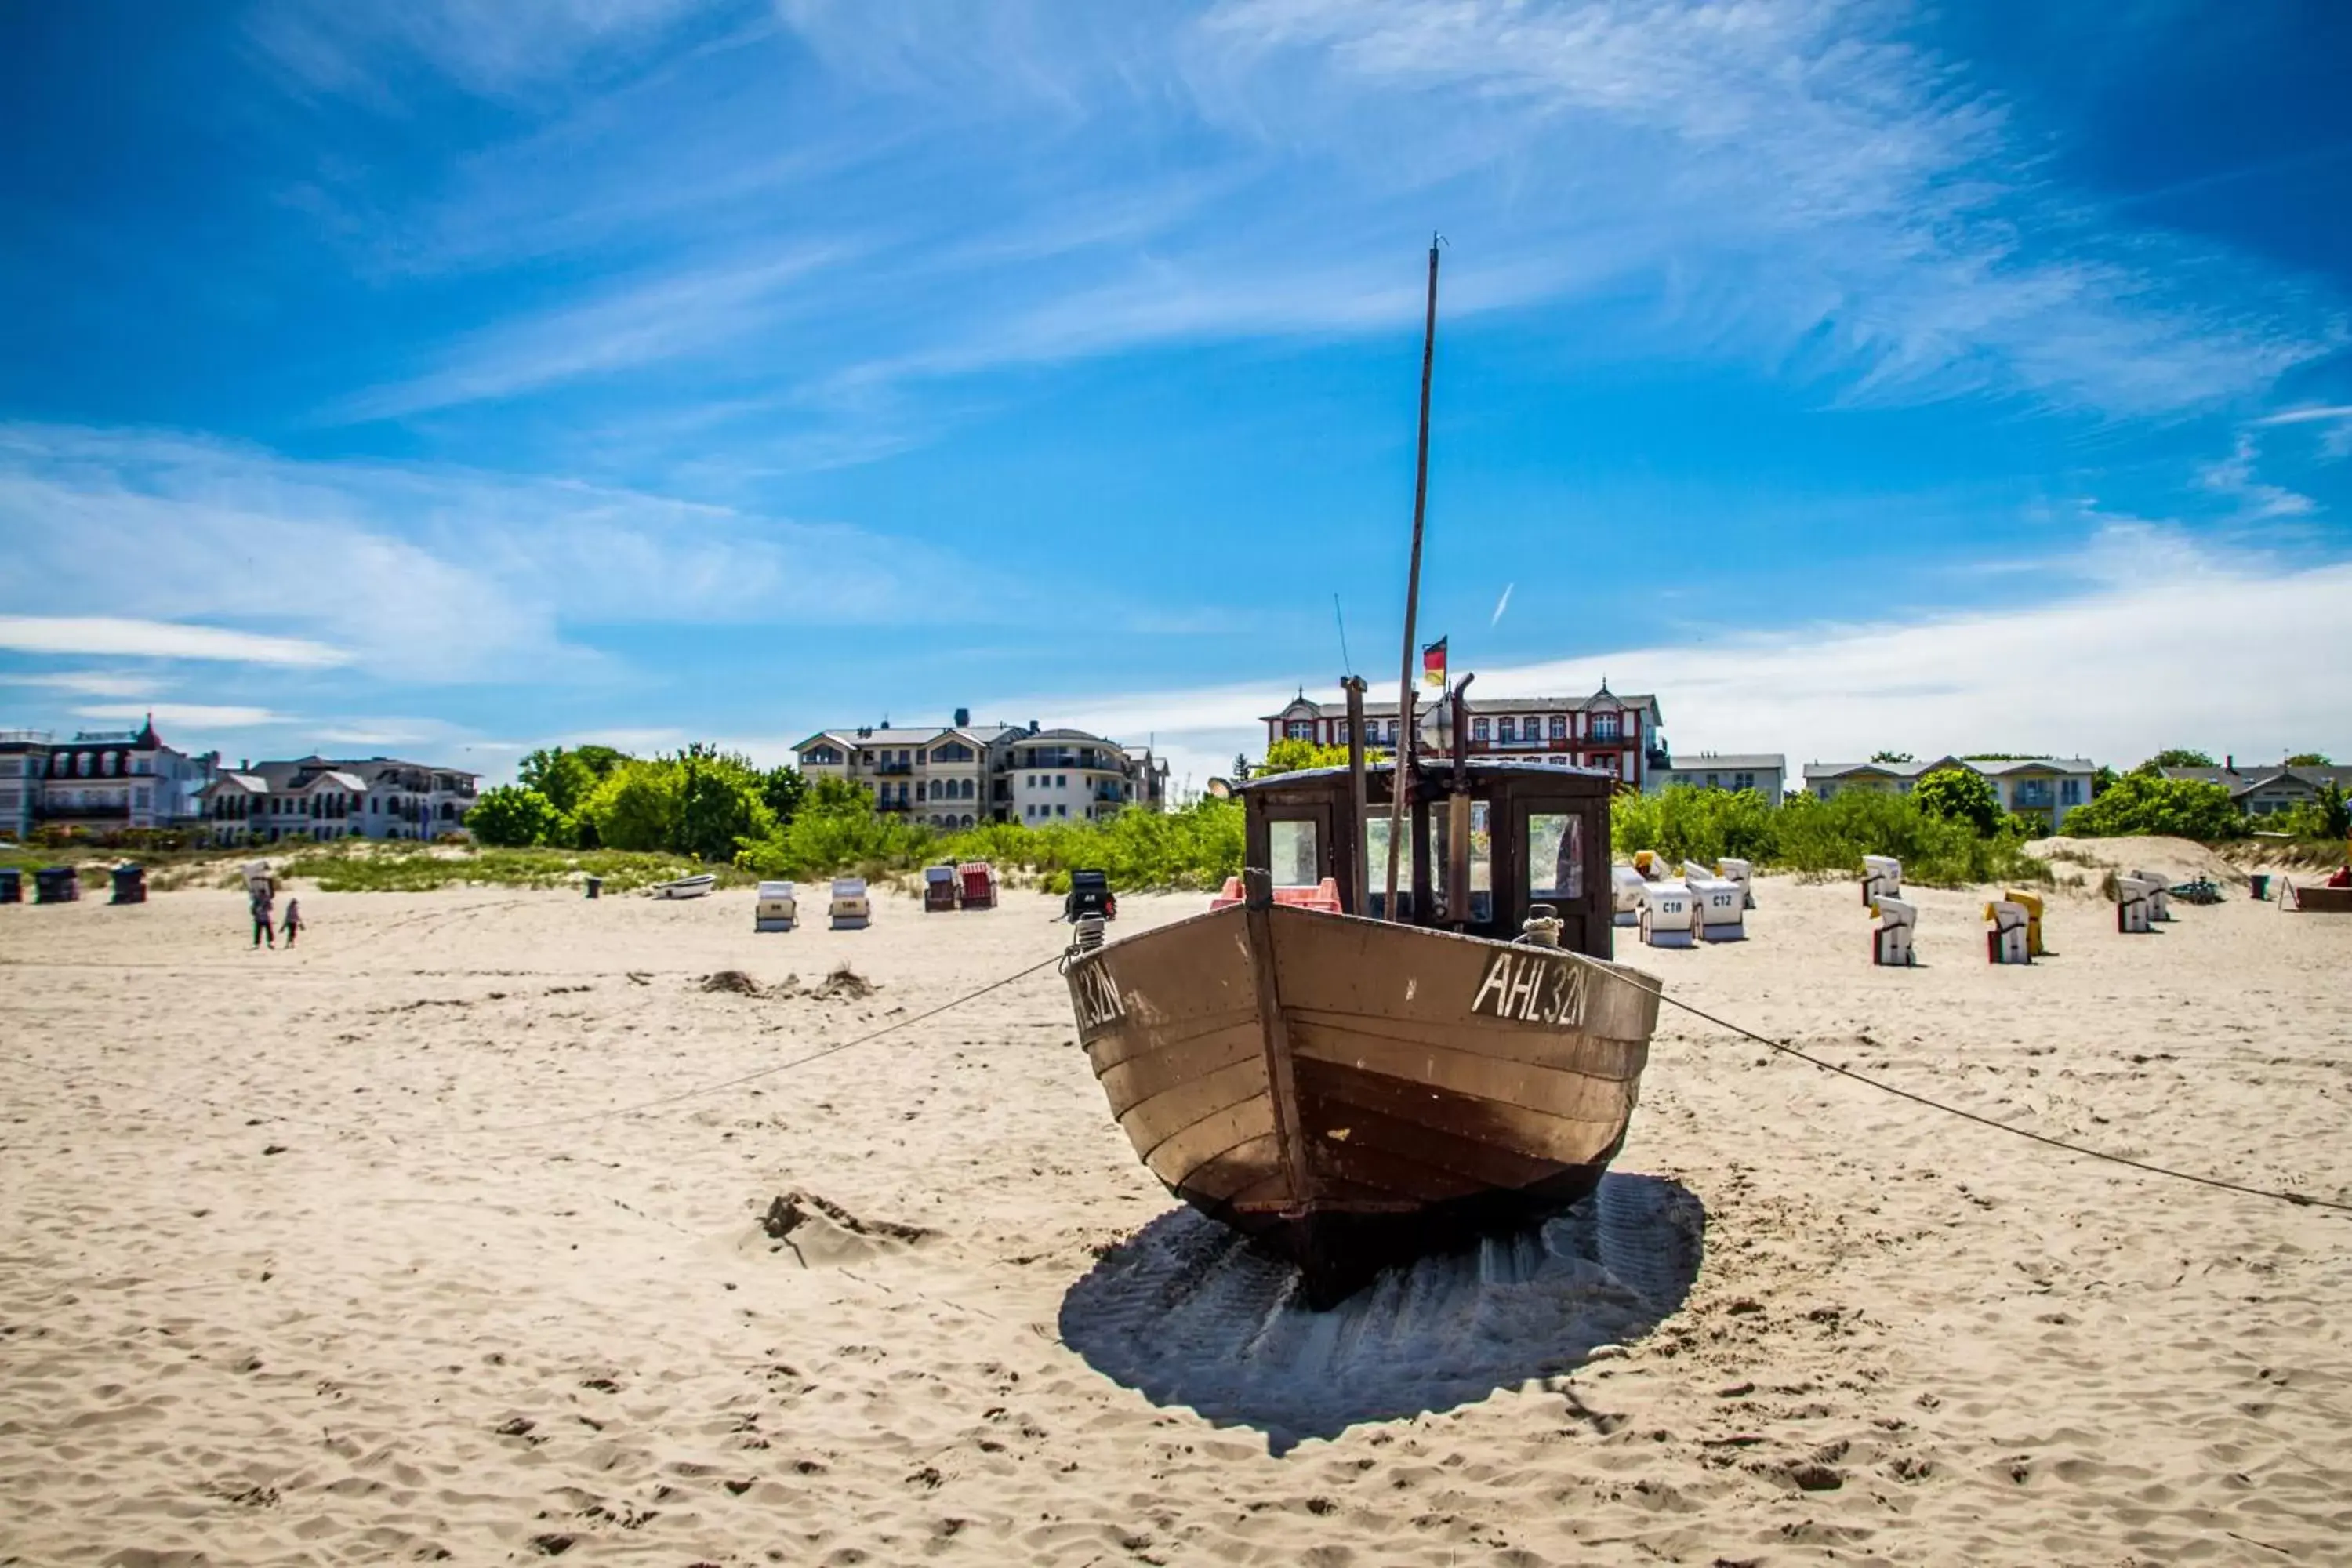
pixel 372 869
pixel 1961 795
pixel 2146 803
pixel 512 816
pixel 1807 835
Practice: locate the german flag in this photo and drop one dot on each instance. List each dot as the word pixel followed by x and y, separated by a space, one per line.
pixel 1432 664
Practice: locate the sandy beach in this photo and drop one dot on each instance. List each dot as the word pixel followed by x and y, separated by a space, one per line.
pixel 343 1255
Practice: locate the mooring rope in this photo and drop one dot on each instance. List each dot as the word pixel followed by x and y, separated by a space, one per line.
pixel 2301 1200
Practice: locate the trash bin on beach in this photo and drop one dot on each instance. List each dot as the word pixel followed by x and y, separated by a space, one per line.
pixel 596 885
pixel 55 885
pixel 12 885
pixel 130 884
pixel 2259 884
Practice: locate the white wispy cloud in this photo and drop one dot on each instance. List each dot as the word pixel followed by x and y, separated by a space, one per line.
pixel 197 715
pixel 2151 641
pixel 208 550
pixel 1801 184
pixel 160 639
pixel 85 682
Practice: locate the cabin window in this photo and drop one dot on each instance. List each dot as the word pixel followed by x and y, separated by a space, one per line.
pixel 1560 726
pixel 1555 857
pixel 1299 729
pixel 1482 860
pixel 1296 850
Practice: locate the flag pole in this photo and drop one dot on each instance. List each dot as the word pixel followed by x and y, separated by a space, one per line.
pixel 1400 777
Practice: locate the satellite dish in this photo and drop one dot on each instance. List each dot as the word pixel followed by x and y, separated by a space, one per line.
pixel 1221 789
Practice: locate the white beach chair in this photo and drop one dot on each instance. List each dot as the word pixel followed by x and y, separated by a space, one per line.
pixel 850 910
pixel 2159 900
pixel 1882 876
pixel 2135 904
pixel 1625 885
pixel 1718 907
pixel 1890 943
pixel 2007 939
pixel 1649 864
pixel 777 907
pixel 1742 872
pixel 1668 914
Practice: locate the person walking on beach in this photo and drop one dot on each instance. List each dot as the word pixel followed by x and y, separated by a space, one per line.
pixel 261 900
pixel 293 919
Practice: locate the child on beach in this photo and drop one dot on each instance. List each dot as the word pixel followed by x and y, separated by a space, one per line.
pixel 261 900
pixel 293 919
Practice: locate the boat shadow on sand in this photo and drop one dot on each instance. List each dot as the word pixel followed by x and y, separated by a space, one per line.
pixel 1186 1312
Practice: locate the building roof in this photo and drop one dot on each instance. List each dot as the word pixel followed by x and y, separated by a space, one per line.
pixel 1919 769
pixel 1602 699
pixel 2243 781
pixel 1085 735
pixel 1701 762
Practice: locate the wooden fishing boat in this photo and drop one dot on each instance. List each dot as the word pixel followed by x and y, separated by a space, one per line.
pixel 1453 1056
pixel 1355 1092
pixel 693 887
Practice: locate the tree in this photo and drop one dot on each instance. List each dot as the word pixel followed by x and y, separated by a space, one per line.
pixel 2309 760
pixel 637 806
pixel 784 789
pixel 2103 781
pixel 1893 757
pixel 1287 756
pixel 2140 802
pixel 1961 795
pixel 512 814
pixel 719 806
pixel 564 777
pixel 2178 757
pixel 1241 767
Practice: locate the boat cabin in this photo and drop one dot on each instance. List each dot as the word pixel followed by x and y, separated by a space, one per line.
pixel 1532 834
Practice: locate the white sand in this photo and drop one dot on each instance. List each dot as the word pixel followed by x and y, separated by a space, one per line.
pixel 424 1329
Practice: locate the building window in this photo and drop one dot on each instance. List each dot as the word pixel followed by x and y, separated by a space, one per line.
pixel 2070 792
pixel 1477 729
pixel 1061 781
pixel 1604 726
pixel 1743 781
pixel 1507 729
pixel 1061 811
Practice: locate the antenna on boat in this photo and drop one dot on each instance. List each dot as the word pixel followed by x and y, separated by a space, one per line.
pixel 1339 615
pixel 1400 777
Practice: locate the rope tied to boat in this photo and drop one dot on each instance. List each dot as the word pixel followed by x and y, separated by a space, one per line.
pixel 2300 1200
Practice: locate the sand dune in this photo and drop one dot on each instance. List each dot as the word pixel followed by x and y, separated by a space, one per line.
pixel 340 1256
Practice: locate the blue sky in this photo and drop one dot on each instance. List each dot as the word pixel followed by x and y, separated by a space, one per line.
pixel 451 378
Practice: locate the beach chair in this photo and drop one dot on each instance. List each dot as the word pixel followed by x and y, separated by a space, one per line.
pixel 1625 885
pixel 1089 894
pixel 1882 876
pixel 1668 914
pixel 2314 898
pixel 12 885
pixel 2005 936
pixel 258 878
pixel 851 909
pixel 1322 898
pixel 2032 903
pixel 56 885
pixel 777 907
pixel 130 884
pixel 1719 909
pixel 939 889
pixel 978 879
pixel 1890 941
pixel 1650 864
pixel 1742 872
pixel 2159 898
pixel 2134 905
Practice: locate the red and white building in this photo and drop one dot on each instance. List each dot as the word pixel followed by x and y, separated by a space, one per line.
pixel 1615 734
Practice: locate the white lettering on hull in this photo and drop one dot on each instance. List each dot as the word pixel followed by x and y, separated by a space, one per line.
pixel 1095 999
pixel 1529 987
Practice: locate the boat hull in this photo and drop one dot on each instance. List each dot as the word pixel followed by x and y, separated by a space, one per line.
pixel 1353 1093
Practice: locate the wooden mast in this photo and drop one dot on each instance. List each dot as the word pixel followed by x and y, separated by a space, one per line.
pixel 1360 884
pixel 1400 777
